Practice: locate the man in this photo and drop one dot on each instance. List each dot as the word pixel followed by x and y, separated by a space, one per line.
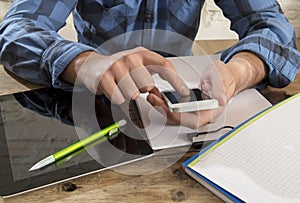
pixel 31 48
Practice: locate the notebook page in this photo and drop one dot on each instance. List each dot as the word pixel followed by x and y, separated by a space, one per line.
pixel 262 161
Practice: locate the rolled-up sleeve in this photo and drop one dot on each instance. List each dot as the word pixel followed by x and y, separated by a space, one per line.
pixel 30 46
pixel 264 31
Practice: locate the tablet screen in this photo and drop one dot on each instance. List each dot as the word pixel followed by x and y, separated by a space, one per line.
pixel 36 124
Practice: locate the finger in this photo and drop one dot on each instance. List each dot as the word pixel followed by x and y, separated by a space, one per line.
pixel 200 119
pixel 121 54
pixel 160 105
pixel 158 64
pixel 142 79
pixel 139 74
pixel 108 86
pixel 173 78
pixel 206 87
pixel 120 71
pixel 159 102
pixel 156 92
pixel 211 74
pixel 128 87
pixel 216 113
pixel 155 100
pixel 190 120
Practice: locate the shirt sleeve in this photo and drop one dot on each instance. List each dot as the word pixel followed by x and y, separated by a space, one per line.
pixel 30 46
pixel 264 31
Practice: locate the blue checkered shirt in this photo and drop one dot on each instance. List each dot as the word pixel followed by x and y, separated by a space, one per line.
pixel 31 47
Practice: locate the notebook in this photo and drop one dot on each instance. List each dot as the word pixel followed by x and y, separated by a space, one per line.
pixel 36 124
pixel 259 161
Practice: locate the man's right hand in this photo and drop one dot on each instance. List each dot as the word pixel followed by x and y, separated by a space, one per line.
pixel 123 75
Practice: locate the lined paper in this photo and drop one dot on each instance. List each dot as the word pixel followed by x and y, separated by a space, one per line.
pixel 261 163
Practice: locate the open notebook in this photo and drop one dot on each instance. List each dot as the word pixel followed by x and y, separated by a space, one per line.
pixel 162 135
pixel 257 162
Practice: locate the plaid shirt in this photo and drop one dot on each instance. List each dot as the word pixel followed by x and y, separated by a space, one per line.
pixel 31 48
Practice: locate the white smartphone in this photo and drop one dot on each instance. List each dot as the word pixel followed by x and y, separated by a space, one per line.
pixel 196 101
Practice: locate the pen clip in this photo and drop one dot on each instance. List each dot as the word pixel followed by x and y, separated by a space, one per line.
pixel 113 133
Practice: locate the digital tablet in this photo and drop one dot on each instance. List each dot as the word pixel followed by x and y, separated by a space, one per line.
pixel 36 124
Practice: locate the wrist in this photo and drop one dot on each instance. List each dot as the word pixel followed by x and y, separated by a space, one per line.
pixel 71 72
pixel 247 69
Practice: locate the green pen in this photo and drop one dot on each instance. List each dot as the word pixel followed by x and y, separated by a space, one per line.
pixel 108 131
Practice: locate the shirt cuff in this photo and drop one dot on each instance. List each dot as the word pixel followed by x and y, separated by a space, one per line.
pixel 283 61
pixel 58 56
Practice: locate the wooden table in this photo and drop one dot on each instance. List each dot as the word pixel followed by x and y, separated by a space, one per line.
pixel 169 185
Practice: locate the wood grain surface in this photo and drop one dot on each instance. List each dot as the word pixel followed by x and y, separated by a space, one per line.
pixel 171 184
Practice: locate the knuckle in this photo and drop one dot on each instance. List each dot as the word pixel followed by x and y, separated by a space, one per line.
pixel 218 63
pixel 147 88
pixel 105 76
pixel 99 90
pixel 140 48
pixel 131 58
pixel 115 67
pixel 117 101
pixel 167 63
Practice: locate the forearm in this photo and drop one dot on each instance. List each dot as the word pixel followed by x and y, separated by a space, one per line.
pixel 31 48
pixel 38 56
pixel 247 69
pixel 264 31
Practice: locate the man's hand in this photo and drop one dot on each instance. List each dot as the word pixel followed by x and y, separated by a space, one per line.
pixel 221 81
pixel 122 75
pixel 192 120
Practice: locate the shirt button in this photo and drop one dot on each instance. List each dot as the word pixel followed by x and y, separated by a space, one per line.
pixel 149 18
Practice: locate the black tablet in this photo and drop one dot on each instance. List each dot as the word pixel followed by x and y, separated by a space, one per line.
pixel 36 124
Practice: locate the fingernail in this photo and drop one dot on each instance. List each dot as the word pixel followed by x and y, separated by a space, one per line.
pixel 135 95
pixel 118 101
pixel 184 90
pixel 150 99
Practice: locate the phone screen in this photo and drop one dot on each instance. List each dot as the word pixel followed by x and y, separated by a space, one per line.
pixel 175 97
